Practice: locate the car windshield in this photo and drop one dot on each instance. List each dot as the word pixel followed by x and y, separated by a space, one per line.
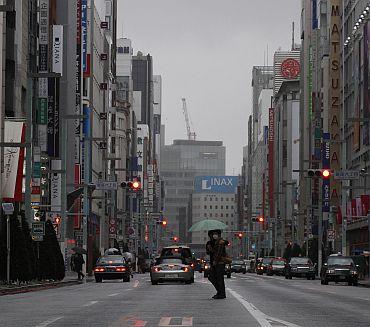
pixel 107 260
pixel 171 261
pixel 266 260
pixel 302 261
pixel 279 262
pixel 184 252
pixel 340 261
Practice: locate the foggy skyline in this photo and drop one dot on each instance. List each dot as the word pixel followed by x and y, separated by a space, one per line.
pixel 205 51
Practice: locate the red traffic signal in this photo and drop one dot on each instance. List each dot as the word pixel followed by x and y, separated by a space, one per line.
pixel 164 223
pixel 175 238
pixel 326 173
pixel 57 220
pixel 261 219
pixel 134 185
pixel 316 173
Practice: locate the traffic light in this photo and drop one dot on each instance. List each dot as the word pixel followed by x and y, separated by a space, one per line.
pixel 57 220
pixel 133 185
pixel 162 222
pixel 261 219
pixel 317 173
pixel 239 235
pixel 175 238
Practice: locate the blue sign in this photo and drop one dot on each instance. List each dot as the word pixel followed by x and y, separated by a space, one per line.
pixel 216 184
pixel 84 33
pixel 326 165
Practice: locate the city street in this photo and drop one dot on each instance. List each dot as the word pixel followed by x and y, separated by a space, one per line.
pixel 252 301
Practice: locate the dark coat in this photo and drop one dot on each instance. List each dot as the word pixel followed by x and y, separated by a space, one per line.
pixel 217 251
pixel 78 261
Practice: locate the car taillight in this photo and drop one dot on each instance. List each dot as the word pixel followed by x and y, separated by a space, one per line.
pixel 186 269
pixel 206 267
pixel 192 265
pixel 121 269
pixel 156 269
pixel 98 269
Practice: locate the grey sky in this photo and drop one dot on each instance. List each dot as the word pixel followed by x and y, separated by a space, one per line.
pixel 205 50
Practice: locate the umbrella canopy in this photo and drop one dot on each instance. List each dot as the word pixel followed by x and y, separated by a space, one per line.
pixel 112 251
pixel 206 225
pixel 79 250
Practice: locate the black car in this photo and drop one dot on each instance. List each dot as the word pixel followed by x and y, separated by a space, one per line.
pixel 238 266
pixel 277 267
pixel 300 267
pixel 112 267
pixel 262 265
pixel 339 269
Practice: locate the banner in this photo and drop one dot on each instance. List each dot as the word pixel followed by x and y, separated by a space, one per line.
pixel 57 55
pixel 12 176
pixel 56 187
pixel 271 154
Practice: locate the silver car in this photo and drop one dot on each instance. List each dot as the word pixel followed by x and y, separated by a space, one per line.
pixel 171 269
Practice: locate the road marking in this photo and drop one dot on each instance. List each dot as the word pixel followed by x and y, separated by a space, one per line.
pixel 263 319
pixel 114 294
pixel 88 304
pixel 136 284
pixel 185 322
pixel 233 277
pixel 49 322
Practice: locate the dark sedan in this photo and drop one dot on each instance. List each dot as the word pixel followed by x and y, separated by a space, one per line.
pixel 277 267
pixel 112 267
pixel 238 266
pixel 300 267
pixel 339 269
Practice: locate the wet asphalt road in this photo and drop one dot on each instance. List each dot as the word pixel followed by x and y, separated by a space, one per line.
pixel 252 301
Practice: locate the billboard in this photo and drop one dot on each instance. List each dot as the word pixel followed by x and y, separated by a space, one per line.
pixel 271 157
pixel 216 184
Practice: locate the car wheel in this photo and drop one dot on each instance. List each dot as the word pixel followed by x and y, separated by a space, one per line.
pixel 286 277
pixel 126 278
pixel 355 283
pixel 98 279
pixel 313 277
pixel 324 282
pixel 308 277
pixel 154 283
pixel 228 275
pixel 244 272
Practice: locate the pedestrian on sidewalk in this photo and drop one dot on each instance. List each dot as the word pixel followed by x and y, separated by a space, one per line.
pixel 77 261
pixel 216 249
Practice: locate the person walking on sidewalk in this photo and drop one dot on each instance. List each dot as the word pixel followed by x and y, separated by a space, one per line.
pixel 216 249
pixel 78 261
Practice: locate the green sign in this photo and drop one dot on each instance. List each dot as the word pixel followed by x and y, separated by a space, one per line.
pixel 42 111
pixel 37 170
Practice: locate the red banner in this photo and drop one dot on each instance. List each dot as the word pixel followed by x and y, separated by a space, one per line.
pixel 271 145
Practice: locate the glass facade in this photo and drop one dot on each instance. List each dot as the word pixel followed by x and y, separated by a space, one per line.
pixel 181 162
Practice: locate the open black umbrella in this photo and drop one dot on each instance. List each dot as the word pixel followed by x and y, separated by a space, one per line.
pixel 79 250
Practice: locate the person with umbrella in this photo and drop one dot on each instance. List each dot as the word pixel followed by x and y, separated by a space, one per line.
pixel 77 261
pixel 216 249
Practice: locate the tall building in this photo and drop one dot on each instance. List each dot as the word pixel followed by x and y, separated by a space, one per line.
pixel 214 197
pixel 181 162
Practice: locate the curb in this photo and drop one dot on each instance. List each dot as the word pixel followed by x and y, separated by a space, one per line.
pixel 39 287
pixel 366 285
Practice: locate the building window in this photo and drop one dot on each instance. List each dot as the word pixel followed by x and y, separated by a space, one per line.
pixel 227 215
pixel 216 215
pixel 232 215
pixel 232 207
pixel 205 214
pixel 227 223
pixel 232 223
pixel 222 207
pixel 210 199
pixel 120 50
pixel 227 199
pixel 216 207
pixel 205 207
pixel 210 215
pixel 222 199
pixel 227 207
pixel 216 199
pixel 205 199
pixel 221 215
pixel 126 50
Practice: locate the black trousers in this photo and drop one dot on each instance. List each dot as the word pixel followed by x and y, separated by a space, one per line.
pixel 216 277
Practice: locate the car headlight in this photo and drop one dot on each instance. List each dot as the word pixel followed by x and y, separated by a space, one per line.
pixel 330 271
pixel 353 272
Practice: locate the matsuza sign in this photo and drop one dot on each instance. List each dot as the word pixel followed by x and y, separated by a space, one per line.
pixel 216 184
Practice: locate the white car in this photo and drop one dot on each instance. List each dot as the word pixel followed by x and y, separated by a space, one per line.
pixel 171 269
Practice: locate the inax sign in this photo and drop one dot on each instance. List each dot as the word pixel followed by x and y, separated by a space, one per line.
pixel 216 184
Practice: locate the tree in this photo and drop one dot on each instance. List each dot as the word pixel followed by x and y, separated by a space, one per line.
pixel 20 264
pixel 51 263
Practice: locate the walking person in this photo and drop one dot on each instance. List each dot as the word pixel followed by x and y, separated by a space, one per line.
pixel 78 262
pixel 216 249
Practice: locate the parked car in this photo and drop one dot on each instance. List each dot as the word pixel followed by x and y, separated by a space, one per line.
pixel 112 267
pixel 300 267
pixel 339 268
pixel 238 266
pixel 276 267
pixel 171 269
pixel 262 265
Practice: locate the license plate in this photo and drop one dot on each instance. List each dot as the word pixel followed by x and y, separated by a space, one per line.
pixel 171 275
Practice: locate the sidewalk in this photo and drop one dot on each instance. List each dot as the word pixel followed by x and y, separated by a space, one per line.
pixel 69 279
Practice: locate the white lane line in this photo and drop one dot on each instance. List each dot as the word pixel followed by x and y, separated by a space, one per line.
pixel 49 321
pixel 114 294
pixel 263 319
pixel 88 304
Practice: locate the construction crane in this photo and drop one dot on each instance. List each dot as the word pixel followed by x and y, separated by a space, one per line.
pixel 191 135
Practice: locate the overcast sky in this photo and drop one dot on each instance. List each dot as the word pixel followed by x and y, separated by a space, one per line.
pixel 205 51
